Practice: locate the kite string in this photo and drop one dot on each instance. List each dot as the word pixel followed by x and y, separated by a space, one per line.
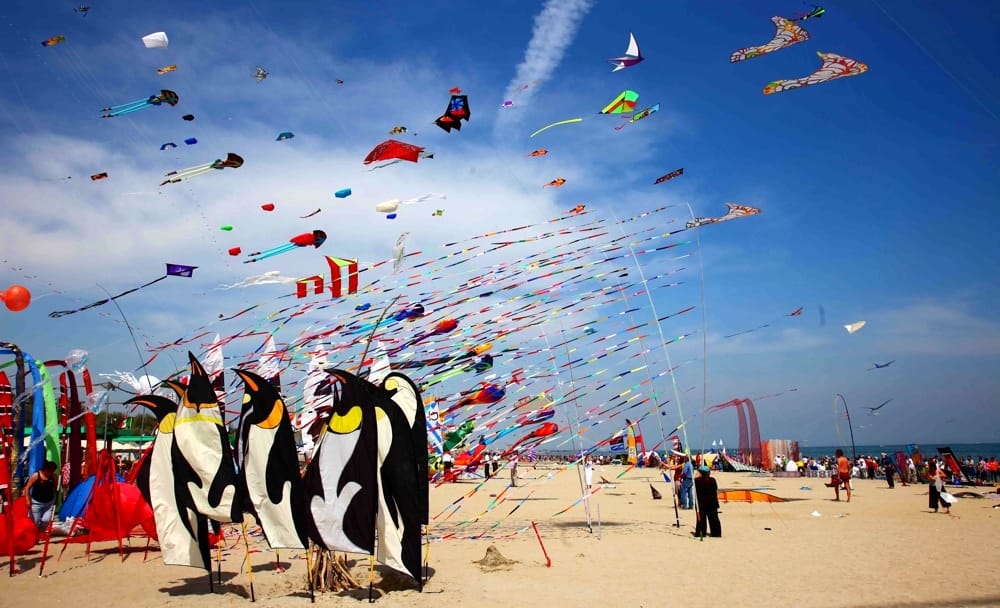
pixel 663 339
pixel 138 351
pixel 947 72
pixel 704 334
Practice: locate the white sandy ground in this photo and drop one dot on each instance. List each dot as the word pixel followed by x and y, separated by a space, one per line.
pixel 883 549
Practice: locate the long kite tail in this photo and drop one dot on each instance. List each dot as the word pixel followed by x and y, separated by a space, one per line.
pixel 62 313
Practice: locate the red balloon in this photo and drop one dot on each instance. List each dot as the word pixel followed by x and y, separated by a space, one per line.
pixel 235 251
pixel 16 298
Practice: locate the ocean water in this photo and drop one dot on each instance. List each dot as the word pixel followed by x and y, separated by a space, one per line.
pixel 927 449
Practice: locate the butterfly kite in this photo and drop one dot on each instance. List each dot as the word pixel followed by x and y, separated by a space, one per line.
pixel 173 270
pixel 233 161
pixel 165 97
pixel 787 34
pixel 260 74
pixel 834 66
pixel 457 111
pixel 314 238
pixel 735 211
pixel 632 56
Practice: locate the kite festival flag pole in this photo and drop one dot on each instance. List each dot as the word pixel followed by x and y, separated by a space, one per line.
pixel 854 451
pixel 704 335
pixel 246 545
pixel 663 344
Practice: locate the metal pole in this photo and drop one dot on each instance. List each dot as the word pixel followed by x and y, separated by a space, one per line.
pixel 850 427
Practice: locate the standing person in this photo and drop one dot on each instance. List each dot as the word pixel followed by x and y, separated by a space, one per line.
pixel 708 504
pixel 486 464
pixel 40 492
pixel 513 469
pixel 687 483
pixel 843 475
pixel 936 478
pixel 890 470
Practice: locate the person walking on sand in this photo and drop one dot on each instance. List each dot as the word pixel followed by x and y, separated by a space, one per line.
pixel 843 475
pixel 890 470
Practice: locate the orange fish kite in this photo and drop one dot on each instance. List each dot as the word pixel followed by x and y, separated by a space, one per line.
pixel 539 152
pixel 557 182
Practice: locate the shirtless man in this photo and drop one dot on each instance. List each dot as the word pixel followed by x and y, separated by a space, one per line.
pixel 843 475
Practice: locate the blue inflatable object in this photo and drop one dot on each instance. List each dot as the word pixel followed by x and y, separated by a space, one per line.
pixel 343 193
pixel 76 503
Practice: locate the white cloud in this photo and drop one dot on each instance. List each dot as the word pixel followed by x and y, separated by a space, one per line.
pixel 554 30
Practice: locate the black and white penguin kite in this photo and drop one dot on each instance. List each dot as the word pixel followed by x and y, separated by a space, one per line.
pixel 341 482
pixel 403 484
pixel 181 532
pixel 203 458
pixel 269 464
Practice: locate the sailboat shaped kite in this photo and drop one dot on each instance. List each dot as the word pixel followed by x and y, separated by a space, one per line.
pixel 631 58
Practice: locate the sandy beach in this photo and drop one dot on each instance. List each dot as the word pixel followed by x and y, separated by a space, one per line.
pixel 879 550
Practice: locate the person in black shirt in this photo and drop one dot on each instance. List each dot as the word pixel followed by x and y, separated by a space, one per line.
pixel 890 470
pixel 41 494
pixel 707 491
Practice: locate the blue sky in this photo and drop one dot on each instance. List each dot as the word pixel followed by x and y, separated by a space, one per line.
pixel 875 190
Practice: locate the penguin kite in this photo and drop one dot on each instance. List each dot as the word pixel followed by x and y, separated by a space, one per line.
pixel 341 481
pixel 403 485
pixel 269 464
pixel 202 457
pixel 180 530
